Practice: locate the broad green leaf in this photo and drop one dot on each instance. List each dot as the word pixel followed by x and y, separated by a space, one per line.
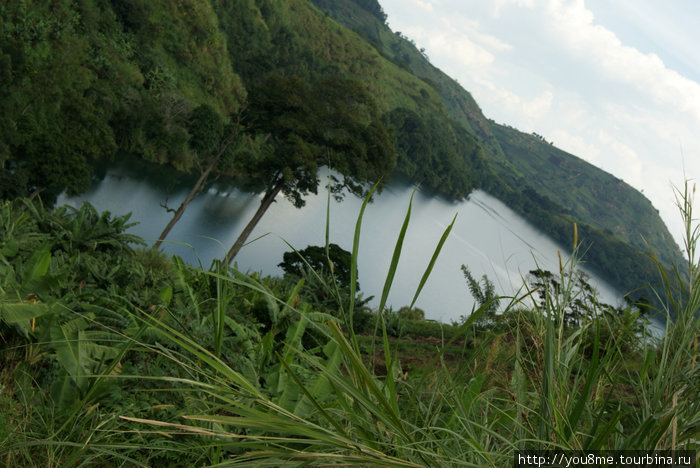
pixel 166 295
pixel 17 313
pixel 38 266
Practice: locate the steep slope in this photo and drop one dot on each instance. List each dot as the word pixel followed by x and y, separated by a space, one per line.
pixel 588 193
pixel 367 19
pixel 292 37
pixel 525 170
pixel 126 76
pixel 86 81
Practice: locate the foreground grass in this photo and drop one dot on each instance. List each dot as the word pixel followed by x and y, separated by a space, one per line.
pixel 219 368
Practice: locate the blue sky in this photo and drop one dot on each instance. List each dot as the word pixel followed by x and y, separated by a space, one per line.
pixel 615 82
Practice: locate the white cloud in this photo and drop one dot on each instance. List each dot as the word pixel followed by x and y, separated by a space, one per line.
pixel 574 26
pixel 498 5
pixel 548 66
pixel 425 6
pixel 459 49
pixel 538 106
pixel 575 144
pixel 528 112
pixel 621 158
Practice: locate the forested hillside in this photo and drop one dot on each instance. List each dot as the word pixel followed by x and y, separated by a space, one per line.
pixel 167 81
pixel 84 81
pixel 551 188
pixel 115 353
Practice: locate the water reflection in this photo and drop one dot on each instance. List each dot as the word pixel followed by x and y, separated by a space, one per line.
pixel 487 236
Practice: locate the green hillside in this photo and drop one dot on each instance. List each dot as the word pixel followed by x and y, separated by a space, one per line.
pixel 114 353
pixel 96 80
pixel 586 192
pixel 293 37
pixel 364 17
pixel 528 170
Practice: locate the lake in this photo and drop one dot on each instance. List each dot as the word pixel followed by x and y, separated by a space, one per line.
pixel 487 236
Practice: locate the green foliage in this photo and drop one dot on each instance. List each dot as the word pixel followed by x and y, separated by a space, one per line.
pixel 408 313
pixel 325 283
pixel 334 122
pixel 619 326
pixel 64 275
pixel 534 384
pixel 484 293
pixel 614 255
pixel 247 358
pixel 549 187
pixel 169 368
pixel 83 81
pixel 590 195
pixel 335 261
pixel 612 258
pixel 436 152
pixel 206 129
pixel 49 102
pixel 372 7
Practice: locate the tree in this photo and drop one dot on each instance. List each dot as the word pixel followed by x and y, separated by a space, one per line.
pixel 208 137
pixel 571 289
pixel 438 152
pixel 314 257
pixel 326 276
pixel 335 122
pixel 54 120
pixel 373 7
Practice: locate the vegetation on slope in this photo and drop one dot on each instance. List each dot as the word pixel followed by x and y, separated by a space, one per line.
pixel 89 80
pixel 586 192
pixel 94 80
pixel 524 171
pixel 291 37
pixel 117 356
pixel 114 356
pixel 364 17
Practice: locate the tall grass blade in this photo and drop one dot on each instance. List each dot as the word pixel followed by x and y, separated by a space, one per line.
pixel 395 257
pixel 355 252
pixel 433 259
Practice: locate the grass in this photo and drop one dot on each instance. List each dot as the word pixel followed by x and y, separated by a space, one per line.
pixel 307 391
pixel 554 396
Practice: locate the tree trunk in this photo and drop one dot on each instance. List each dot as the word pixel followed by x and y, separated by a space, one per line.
pixel 180 210
pixel 36 192
pixel 201 182
pixel 264 205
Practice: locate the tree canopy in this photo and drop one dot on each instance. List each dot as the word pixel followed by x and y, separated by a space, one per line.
pixel 316 258
pixel 333 122
pixel 441 156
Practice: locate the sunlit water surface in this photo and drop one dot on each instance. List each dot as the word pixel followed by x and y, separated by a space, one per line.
pixel 487 236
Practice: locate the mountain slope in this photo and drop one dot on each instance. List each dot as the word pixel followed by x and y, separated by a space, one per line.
pixel 525 166
pixel 96 79
pixel 293 37
pixel 459 103
pixel 587 192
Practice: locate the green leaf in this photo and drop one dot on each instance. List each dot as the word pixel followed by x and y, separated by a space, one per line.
pixel 17 313
pixel 35 269
pixel 431 264
pixel 355 249
pixel 166 295
pixel 10 249
pixel 66 340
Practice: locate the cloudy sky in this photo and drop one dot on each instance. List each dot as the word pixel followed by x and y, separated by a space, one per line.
pixel 616 82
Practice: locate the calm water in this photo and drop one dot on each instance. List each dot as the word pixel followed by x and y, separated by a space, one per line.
pixel 488 237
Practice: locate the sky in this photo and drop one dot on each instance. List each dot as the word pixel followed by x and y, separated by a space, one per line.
pixel 615 82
